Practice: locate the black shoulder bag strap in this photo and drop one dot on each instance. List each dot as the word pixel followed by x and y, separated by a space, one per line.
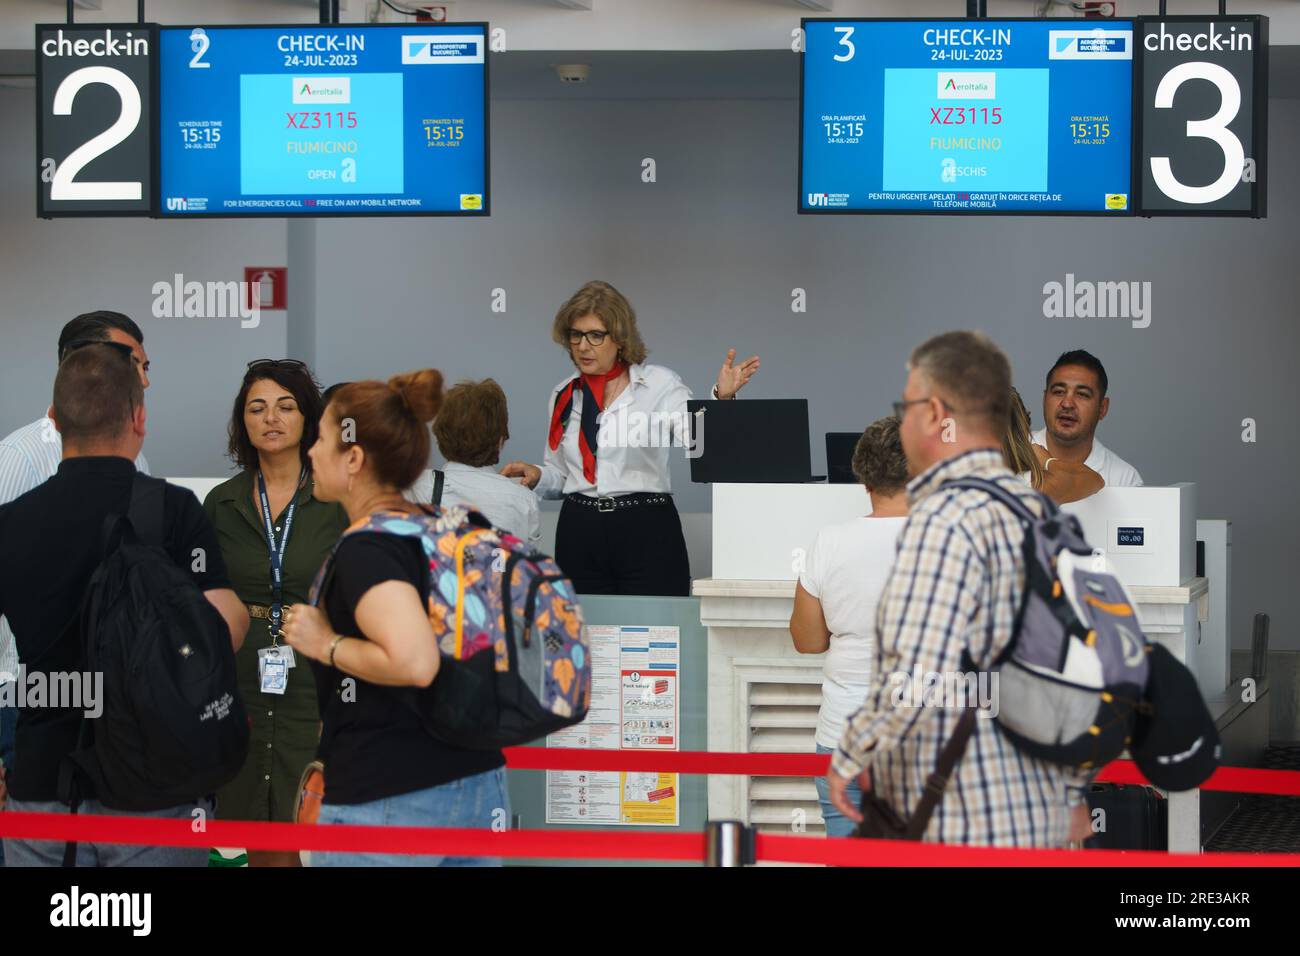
pixel 437 487
pixel 937 782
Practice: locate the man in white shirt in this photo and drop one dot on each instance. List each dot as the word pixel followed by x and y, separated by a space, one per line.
pixel 1074 403
pixel 30 455
pixel 471 428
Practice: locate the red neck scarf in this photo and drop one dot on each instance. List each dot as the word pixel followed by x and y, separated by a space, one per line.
pixel 593 403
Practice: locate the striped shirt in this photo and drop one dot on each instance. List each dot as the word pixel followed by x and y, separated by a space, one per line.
pixel 29 457
pixel 957 583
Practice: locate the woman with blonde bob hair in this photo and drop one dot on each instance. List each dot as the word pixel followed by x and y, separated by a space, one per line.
pixel 612 427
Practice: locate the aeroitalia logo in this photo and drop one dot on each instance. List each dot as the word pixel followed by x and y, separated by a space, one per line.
pixel 322 89
pixel 968 86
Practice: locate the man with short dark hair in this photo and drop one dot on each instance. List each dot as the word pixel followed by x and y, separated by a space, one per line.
pixel 952 598
pixel 50 546
pixel 1074 403
pixel 30 455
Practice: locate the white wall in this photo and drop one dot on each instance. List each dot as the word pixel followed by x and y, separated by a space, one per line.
pixel 51 270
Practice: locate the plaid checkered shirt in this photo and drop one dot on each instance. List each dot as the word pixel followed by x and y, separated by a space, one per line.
pixel 957 584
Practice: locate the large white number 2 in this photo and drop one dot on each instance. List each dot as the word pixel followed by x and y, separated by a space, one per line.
pixel 64 185
pixel 199 44
pixel 845 33
pixel 1215 128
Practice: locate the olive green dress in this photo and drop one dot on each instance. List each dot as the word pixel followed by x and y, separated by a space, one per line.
pixel 285 727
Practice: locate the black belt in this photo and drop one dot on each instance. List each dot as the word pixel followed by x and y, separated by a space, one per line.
pixel 637 499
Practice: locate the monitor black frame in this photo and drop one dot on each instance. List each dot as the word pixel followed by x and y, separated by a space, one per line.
pixel 484 213
pixel 1129 213
pixel 151 96
pixel 1259 120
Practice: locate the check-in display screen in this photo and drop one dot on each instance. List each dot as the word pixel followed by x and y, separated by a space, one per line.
pixel 967 116
pixel 323 120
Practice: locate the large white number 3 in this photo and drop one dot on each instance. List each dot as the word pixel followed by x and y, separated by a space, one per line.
pixel 1215 128
pixel 64 185
pixel 845 33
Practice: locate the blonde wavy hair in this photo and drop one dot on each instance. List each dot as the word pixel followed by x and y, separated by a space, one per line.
pixel 609 305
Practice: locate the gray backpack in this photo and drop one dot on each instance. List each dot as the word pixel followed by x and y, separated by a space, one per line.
pixel 1072 680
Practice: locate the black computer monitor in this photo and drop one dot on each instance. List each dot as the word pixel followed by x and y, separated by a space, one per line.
pixel 839 457
pixel 751 440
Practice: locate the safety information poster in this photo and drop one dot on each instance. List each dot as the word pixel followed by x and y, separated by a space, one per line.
pixel 635 680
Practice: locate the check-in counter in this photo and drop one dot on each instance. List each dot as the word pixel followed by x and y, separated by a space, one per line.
pixel 764 696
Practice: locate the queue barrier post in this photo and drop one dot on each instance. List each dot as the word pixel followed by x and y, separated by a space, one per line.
pixel 728 843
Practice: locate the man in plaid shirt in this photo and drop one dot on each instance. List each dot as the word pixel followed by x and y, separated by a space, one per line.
pixel 956 586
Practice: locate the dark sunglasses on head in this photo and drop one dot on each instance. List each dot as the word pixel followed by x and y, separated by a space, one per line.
pixel 119 347
pixel 292 364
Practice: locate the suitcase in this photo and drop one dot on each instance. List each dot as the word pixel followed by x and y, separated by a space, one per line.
pixel 1132 818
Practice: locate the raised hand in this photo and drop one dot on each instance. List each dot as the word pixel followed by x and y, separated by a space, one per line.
pixel 732 377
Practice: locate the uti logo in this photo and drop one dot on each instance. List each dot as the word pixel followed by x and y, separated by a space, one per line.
pixel 322 89
pixel 818 199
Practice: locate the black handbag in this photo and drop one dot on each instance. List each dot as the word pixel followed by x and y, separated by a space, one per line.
pixel 881 822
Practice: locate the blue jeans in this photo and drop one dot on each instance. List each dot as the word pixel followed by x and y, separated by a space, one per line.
pixel 8 723
pixel 837 824
pixel 50 852
pixel 477 801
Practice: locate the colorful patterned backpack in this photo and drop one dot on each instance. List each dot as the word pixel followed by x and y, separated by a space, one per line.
pixel 515 662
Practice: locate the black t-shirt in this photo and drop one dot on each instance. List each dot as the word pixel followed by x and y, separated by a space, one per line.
pixel 373 745
pixel 49 548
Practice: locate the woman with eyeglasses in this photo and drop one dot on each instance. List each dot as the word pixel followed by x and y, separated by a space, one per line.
pixel 274 536
pixel 613 425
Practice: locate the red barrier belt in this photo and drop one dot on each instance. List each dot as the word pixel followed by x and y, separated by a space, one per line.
pixel 580 844
pixel 347 838
pixel 797 849
pixel 1231 779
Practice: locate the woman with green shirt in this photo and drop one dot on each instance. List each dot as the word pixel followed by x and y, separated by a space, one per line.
pixel 266 517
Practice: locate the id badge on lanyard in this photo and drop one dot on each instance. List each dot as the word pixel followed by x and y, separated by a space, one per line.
pixel 274 662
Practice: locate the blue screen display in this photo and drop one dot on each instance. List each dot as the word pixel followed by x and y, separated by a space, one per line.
pixel 323 120
pixel 967 116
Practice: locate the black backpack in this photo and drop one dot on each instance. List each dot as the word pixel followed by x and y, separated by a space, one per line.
pixel 173 727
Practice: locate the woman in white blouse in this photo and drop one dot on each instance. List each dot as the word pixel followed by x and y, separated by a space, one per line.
pixel 612 427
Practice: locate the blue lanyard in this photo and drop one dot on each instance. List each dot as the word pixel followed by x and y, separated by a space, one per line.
pixel 277 556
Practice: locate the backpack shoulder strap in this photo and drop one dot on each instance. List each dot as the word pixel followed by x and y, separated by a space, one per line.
pixel 1012 501
pixel 437 486
pixel 146 509
pixel 416 526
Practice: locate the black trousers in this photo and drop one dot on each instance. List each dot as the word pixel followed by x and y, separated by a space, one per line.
pixel 637 550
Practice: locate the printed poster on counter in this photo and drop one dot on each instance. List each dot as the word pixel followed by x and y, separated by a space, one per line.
pixel 635 679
